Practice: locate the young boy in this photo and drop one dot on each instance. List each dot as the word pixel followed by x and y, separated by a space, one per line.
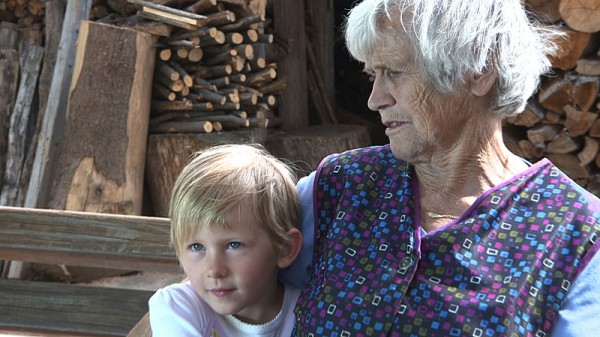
pixel 233 211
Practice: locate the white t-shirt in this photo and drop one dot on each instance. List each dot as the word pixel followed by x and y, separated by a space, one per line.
pixel 178 311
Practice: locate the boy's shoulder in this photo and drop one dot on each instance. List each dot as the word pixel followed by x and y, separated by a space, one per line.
pixel 180 299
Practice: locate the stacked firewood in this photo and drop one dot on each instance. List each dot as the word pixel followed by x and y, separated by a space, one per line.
pixel 561 122
pixel 25 13
pixel 216 64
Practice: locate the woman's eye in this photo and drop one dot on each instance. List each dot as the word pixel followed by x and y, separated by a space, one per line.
pixel 235 245
pixel 391 73
pixel 196 247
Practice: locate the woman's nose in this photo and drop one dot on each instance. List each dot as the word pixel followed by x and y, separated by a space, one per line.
pixel 380 97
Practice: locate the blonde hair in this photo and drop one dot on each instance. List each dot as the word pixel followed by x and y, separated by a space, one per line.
pixel 220 179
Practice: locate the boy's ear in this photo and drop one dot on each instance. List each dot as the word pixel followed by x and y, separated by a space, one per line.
pixel 291 249
pixel 480 85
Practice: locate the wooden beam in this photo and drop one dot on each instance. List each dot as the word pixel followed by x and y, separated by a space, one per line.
pixel 54 309
pixel 322 21
pixel 86 239
pixel 288 18
pixel 54 117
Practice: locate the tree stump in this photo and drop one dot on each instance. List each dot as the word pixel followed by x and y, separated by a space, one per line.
pixel 168 153
pixel 305 148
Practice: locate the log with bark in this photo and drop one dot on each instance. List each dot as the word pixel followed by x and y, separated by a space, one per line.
pixel 102 157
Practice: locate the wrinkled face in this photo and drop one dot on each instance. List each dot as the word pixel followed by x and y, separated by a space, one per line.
pixel 419 119
pixel 234 269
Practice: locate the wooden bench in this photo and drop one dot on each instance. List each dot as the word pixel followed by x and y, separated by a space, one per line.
pixel 79 239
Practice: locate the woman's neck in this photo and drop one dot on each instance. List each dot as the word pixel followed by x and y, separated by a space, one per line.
pixel 453 180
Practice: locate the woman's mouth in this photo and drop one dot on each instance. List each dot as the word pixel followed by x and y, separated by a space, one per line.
pixel 392 125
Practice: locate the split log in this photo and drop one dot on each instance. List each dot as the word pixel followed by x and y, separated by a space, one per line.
pixel 570 49
pixel 9 74
pixel 12 192
pixel 531 115
pixel 581 15
pixel 595 130
pixel 568 89
pixel 561 144
pixel 102 160
pixel 543 133
pixel 578 122
pixel 531 151
pixel 589 152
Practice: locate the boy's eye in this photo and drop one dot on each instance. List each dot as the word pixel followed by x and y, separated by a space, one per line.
pixel 235 245
pixel 196 247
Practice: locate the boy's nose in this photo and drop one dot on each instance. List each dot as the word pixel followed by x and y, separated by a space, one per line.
pixel 215 267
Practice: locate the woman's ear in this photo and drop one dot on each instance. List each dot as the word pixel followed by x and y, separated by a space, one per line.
pixel 291 248
pixel 481 85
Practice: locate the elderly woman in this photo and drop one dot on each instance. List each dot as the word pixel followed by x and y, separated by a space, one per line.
pixel 444 232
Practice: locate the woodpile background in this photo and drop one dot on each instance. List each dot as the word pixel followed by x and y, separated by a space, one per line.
pixel 561 121
pixel 216 67
pixel 216 70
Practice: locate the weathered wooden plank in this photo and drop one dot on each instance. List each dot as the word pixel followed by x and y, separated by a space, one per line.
pixel 9 36
pixel 54 17
pixel 288 18
pixel 103 151
pixel 86 239
pixel 54 116
pixel 9 75
pixel 69 310
pixel 322 19
pixel 17 135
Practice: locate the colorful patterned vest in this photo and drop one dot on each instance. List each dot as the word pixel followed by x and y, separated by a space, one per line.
pixel 502 269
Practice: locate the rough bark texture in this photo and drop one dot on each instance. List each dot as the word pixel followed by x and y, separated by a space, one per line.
pixel 101 163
